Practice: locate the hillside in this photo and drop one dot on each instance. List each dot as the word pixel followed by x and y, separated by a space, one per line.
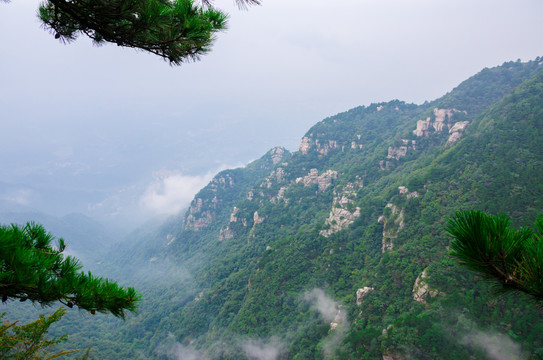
pixel 338 250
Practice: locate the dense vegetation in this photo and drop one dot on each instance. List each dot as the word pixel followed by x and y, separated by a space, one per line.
pixel 339 250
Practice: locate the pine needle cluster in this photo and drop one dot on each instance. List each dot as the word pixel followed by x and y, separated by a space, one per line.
pixel 32 269
pixel 176 30
pixel 510 258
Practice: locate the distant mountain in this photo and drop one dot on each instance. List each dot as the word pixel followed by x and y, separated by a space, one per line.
pixel 338 249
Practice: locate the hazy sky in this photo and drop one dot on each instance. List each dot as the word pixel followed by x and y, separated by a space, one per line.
pixel 108 130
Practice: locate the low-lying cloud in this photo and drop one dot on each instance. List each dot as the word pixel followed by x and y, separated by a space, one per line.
pixel 174 350
pixel 495 345
pixel 331 311
pixel 258 349
pixel 171 191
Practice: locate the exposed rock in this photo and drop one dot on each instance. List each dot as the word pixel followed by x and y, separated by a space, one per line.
pixel 397 152
pixel 385 330
pixel 442 119
pixel 392 225
pixel 305 145
pixel 250 195
pixel 201 212
pixel 226 234
pixel 421 289
pixel 423 126
pixel 405 191
pixel 257 219
pixel 323 149
pixel 341 216
pixel 455 133
pixel 277 154
pixel 280 196
pixel 233 217
pixel 360 293
pixel 277 176
pixel 339 319
pixel 441 115
pixel 380 107
pixel 324 180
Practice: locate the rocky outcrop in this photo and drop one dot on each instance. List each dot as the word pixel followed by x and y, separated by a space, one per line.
pixel 343 213
pixel 361 293
pixel 277 176
pixel 233 217
pixel 280 196
pixel 455 132
pixel 397 152
pixel 393 223
pixel 305 145
pixel 202 209
pixel 323 147
pixel 339 319
pixel 257 219
pixel 421 289
pixel 442 119
pixel 226 234
pixel 197 218
pixel 277 154
pixel 405 191
pixel 324 180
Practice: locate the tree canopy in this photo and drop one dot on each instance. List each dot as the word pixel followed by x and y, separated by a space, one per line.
pixel 510 258
pixel 176 30
pixel 32 269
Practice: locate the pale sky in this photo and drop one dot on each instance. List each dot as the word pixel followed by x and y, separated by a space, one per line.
pixel 113 131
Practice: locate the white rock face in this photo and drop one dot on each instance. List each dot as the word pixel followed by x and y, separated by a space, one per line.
pixel 233 217
pixel 421 289
pixel 455 133
pixel 198 218
pixel 422 127
pixel 277 155
pixel 326 147
pixel 392 225
pixel 276 176
pixel 443 118
pixel 397 152
pixel 360 293
pixel 257 219
pixel 324 180
pixel 341 216
pixel 305 145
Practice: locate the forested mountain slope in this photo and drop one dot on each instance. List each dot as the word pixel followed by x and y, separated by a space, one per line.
pixel 338 249
pixel 354 219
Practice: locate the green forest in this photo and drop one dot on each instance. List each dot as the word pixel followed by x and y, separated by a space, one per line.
pixel 339 250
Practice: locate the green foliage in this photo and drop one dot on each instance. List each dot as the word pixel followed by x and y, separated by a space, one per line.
pixel 31 269
pixel 175 30
pixel 511 258
pixel 28 341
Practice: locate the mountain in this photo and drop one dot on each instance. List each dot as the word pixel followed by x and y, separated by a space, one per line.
pixel 338 250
